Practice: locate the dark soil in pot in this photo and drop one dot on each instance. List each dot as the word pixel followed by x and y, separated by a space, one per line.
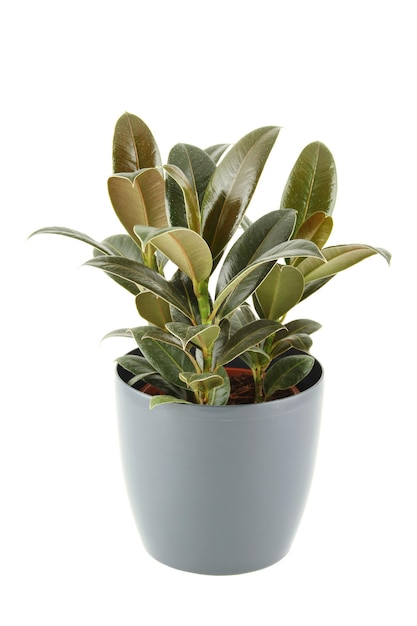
pixel 242 387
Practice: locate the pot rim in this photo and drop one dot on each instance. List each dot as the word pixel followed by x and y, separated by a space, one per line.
pixel 235 412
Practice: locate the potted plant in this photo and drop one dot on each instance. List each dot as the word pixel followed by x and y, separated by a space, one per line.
pixel 218 474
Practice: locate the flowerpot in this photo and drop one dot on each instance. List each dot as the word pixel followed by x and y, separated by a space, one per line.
pixel 219 490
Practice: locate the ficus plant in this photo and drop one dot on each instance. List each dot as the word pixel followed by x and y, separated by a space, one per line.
pixel 210 284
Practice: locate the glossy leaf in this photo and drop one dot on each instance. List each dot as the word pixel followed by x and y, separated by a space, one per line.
pixel 136 365
pixel 104 247
pixel 168 359
pixel 202 335
pixel 184 285
pixel 134 146
pixel 232 186
pixel 245 283
pixel 245 338
pixel 317 228
pixel 123 245
pixel 143 277
pixel 338 258
pixel 287 372
pixel 189 217
pixel 312 184
pixel 196 167
pixel 300 341
pixel 261 236
pixel 302 326
pixel 216 152
pixel 279 292
pixel 185 248
pixel 201 382
pixel 241 317
pixel 219 395
pixel 140 200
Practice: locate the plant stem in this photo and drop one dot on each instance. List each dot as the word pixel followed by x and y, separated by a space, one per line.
pixel 258 380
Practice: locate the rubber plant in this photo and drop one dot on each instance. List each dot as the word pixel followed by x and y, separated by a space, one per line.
pixel 207 292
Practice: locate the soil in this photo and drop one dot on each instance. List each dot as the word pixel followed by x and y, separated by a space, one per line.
pixel 242 388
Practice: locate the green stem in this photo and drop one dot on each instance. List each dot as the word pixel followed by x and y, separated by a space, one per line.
pixel 202 294
pixel 258 380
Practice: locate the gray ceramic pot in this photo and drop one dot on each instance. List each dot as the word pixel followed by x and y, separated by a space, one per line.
pixel 219 490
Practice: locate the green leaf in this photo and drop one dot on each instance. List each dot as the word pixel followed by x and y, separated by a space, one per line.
pixel 159 400
pixel 134 146
pixel 196 166
pixel 119 332
pixel 245 338
pixel 219 396
pixel 317 228
pixel 185 248
pixel 287 372
pixel 279 292
pixel 259 238
pixel 245 283
pixel 241 317
pixel 232 186
pixel 168 359
pixel 139 200
pixel 190 201
pixel 312 184
pixel 153 309
pixel 202 335
pixel 123 245
pixel 104 247
pixel 144 277
pixel 201 382
pixel 184 285
pixel 216 152
pixel 136 365
pixel 302 326
pixel 161 335
pixel 338 258
pixel 300 341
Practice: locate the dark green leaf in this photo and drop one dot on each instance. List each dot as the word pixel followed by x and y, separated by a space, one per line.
pixel 287 372
pixel 248 279
pixel 144 277
pixel 302 326
pixel 104 247
pixel 245 338
pixel 202 335
pixel 136 365
pixel 168 359
pixel 259 238
pixel 123 245
pixel 198 167
pixel 232 185
pixel 312 184
pixel 216 152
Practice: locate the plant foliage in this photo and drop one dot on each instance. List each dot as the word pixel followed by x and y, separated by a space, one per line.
pixel 185 214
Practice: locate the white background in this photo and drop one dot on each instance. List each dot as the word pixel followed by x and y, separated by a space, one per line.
pixel 202 74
